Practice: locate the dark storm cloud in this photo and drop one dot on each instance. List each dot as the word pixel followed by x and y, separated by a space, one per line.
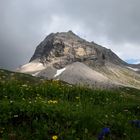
pixel 24 23
pixel 20 31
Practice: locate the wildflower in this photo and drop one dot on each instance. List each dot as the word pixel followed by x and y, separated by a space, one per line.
pixel 37 95
pixel 124 134
pixel 55 102
pixel 15 116
pixel 125 110
pixel 77 105
pixel 135 123
pixel 107 99
pixel 3 77
pixel 106 116
pixel 105 131
pixel 77 97
pixel 24 85
pixel 1 130
pixel 11 101
pixel 112 115
pixel 54 137
pixel 52 102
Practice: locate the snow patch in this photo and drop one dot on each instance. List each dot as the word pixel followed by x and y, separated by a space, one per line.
pixel 35 74
pixel 31 67
pixel 134 69
pixel 59 72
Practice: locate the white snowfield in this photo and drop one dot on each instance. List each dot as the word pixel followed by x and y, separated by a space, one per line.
pixel 31 67
pixel 35 74
pixel 60 71
pixel 134 69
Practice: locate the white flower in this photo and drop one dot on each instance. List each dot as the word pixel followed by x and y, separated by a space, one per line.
pixel 15 116
pixel 106 116
pixel 11 101
pixel 24 85
pixel 107 99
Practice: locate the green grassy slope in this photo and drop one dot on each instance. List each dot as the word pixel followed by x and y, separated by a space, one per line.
pixel 38 110
pixel 6 76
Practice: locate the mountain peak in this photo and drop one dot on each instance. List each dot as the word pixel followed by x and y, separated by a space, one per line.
pixel 66 56
pixel 68 47
pixel 71 32
pixel 68 33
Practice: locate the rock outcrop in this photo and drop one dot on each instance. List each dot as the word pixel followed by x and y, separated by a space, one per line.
pixel 68 48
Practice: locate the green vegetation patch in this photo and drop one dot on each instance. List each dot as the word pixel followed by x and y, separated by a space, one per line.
pixel 47 110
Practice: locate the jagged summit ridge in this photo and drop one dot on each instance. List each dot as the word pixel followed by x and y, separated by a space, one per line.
pixel 55 45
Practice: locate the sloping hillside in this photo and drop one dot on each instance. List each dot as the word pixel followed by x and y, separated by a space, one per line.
pixel 52 109
pixel 6 76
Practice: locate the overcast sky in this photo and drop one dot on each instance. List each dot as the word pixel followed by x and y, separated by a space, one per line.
pixel 114 24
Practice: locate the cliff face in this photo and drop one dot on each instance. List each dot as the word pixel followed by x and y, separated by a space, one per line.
pixel 67 57
pixel 68 48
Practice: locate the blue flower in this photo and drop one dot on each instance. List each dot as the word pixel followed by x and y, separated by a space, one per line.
pixel 105 131
pixel 135 123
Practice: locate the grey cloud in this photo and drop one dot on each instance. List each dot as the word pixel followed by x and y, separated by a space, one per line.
pixel 118 20
pixel 25 23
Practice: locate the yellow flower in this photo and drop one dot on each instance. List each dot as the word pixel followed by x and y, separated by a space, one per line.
pixel 54 137
pixel 52 102
pixel 77 97
pixel 55 102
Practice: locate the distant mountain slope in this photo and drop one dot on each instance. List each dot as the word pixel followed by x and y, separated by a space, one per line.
pixel 6 76
pixel 80 62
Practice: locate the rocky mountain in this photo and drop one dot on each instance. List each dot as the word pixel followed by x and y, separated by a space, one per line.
pixel 71 48
pixel 66 56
